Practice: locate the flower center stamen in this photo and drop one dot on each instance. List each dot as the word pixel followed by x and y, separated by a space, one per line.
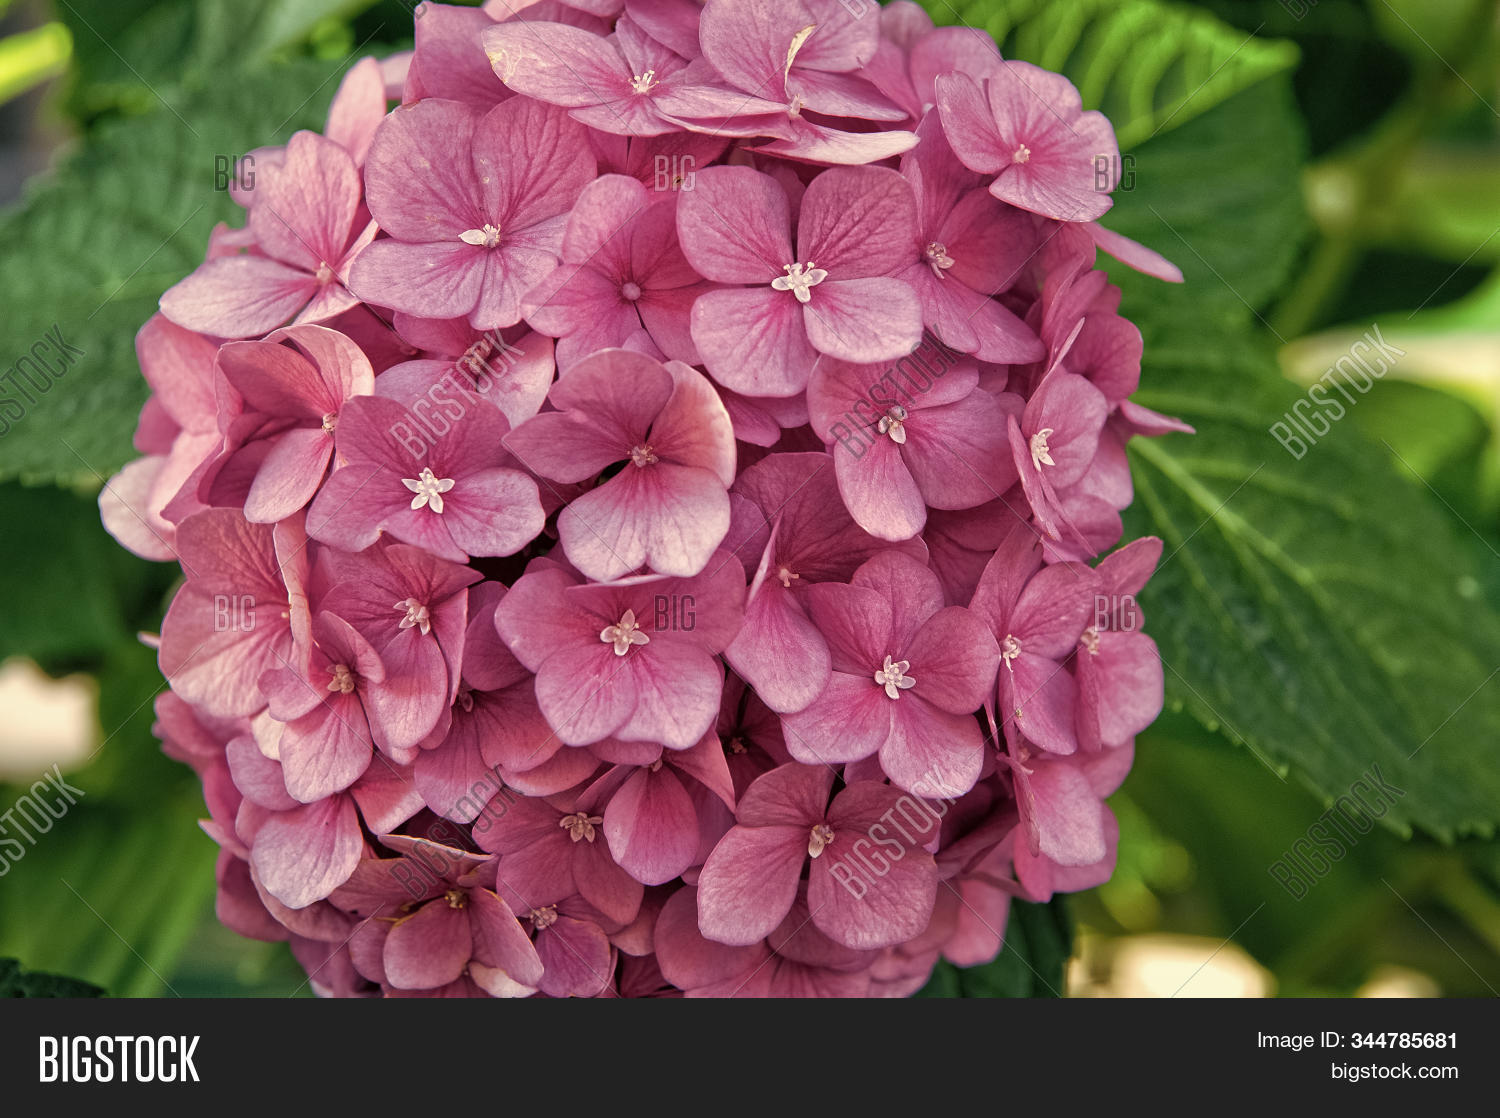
pixel 1041 455
pixel 800 279
pixel 429 489
pixel 456 898
pixel 786 577
pixel 488 237
pixel 580 825
pixel 1010 648
pixel 630 291
pixel 938 258
pixel 1090 640
pixel 642 83
pixel 818 840
pixel 330 421
pixel 416 615
pixel 892 423
pixel 624 634
pixel 343 679
pixel 893 676
pixel 1022 154
pixel 543 917
pixel 642 456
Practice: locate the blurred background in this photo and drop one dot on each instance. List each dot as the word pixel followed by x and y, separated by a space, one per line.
pixel 1377 187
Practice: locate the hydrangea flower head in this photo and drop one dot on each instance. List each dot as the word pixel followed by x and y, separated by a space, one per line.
pixel 641 502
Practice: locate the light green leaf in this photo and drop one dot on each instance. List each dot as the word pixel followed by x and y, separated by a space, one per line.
pixel 1148 66
pixel 92 249
pixel 31 57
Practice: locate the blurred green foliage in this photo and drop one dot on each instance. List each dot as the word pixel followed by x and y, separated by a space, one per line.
pixel 1316 167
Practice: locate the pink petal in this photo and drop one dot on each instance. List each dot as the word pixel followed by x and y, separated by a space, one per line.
pixel 789 795
pixel 665 516
pixel 326 750
pixel 238 296
pixel 499 940
pixel 1037 700
pixel 871 897
pixel 1068 819
pixel 428 949
pixel 498 513
pixel 576 956
pixel 959 454
pixel 863 320
pixel 652 827
pixel 749 882
pixel 290 475
pixel 733 225
pixel 303 214
pixel 850 720
pixel 856 222
pixel 304 854
pixel 677 688
pixel 953 658
pixel 441 279
pixel 931 752
pixel 878 488
pixel 755 340
pixel 779 651
pixel 555 63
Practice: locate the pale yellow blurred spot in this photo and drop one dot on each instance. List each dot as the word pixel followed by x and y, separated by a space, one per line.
pixel 1165 966
pixel 1388 981
pixel 47 721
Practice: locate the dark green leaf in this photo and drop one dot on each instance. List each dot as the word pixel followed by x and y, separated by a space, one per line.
pixel 18 983
pixel 133 52
pixel 1032 964
pixel 1325 611
pixel 1221 198
pixel 84 595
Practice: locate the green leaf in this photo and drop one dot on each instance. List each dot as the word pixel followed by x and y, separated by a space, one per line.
pixel 113 891
pixel 90 252
pixel 1325 611
pixel 131 53
pixel 31 57
pixel 1221 198
pixel 1032 964
pixel 17 983
pixel 84 594
pixel 1148 66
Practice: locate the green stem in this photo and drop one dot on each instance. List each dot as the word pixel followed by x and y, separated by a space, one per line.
pixel 1371 170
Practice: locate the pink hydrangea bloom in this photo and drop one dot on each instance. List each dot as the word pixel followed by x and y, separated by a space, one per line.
pixel 785 819
pixel 641 506
pixel 905 437
pixel 306 227
pixel 475 242
pixel 633 659
pixel 1027 127
pixel 834 294
pixel 908 676
pixel 455 493
pixel 624 281
pixel 668 506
